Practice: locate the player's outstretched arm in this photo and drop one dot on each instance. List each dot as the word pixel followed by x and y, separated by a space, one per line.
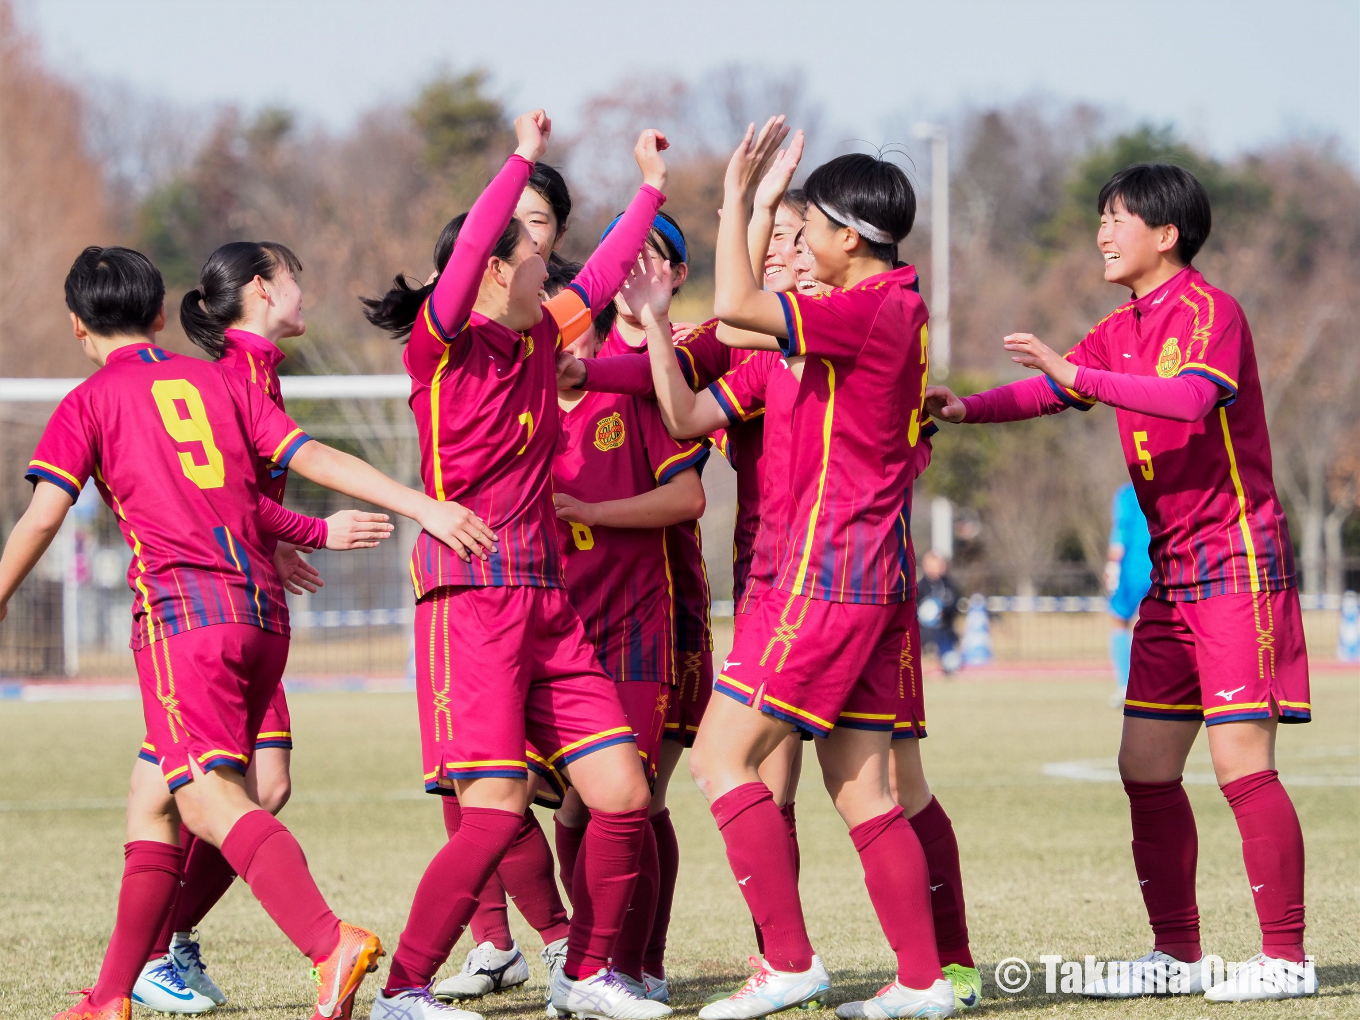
pixel 452 523
pixel 687 415
pixel 681 498
pixel 31 537
pixel 738 299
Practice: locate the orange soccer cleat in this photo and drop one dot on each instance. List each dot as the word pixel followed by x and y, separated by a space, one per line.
pixel 118 1009
pixel 339 975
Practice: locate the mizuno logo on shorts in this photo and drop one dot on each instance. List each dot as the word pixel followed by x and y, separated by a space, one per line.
pixel 1228 695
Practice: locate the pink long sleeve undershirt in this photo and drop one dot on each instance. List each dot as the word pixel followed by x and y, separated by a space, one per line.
pixel 1181 398
pixel 288 526
pixel 1184 398
pixel 624 373
pixel 455 291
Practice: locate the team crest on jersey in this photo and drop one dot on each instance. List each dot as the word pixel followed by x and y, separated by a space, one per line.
pixel 528 345
pixel 1170 361
pixel 609 433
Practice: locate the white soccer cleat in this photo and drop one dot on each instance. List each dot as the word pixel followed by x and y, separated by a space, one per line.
pixel 161 987
pixel 487 969
pixel 1154 974
pixel 657 989
pixel 417 1004
pixel 602 996
pixel 1265 977
pixel 897 1000
pixel 769 991
pixel 554 957
pixel 185 954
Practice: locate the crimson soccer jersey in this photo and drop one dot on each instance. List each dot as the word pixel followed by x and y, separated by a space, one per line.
pixel 685 548
pixel 254 357
pixel 173 444
pixel 858 439
pixel 1206 487
pixel 705 359
pixel 619 579
pixel 762 389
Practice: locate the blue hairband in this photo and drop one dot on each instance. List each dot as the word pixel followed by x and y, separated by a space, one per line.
pixel 665 227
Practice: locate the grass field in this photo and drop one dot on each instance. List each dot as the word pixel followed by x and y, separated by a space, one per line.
pixel 1046 858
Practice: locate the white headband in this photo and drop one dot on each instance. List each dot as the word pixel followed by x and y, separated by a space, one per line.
pixel 866 230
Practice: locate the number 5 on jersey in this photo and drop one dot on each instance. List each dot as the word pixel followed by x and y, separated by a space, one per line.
pixel 169 394
pixel 1139 438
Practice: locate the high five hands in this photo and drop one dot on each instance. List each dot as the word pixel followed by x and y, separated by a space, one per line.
pixel 1026 349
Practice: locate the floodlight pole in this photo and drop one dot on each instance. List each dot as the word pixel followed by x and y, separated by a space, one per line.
pixel 939 246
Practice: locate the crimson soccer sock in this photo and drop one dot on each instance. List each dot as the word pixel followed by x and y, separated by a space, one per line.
pixel 568 840
pixel 1165 853
pixel 762 860
pixel 491 921
pixel 261 850
pixel 668 869
pixel 606 872
pixel 162 944
pixel 936 833
pixel 637 924
pixel 792 821
pixel 447 895
pixel 150 879
pixel 898 880
pixel 1272 849
pixel 527 871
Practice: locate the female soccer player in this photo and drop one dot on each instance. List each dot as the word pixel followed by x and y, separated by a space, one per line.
pixel 247 300
pixel 173 444
pixel 544 207
pixel 482 360
pixel 620 481
pixel 1219 639
pixel 824 648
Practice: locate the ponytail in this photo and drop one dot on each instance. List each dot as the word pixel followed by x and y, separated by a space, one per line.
pixel 397 310
pixel 209 310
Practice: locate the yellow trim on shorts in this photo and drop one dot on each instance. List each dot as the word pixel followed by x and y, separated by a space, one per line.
pixel 586 740
pixel 804 713
pixel 1242 706
pixel 1156 704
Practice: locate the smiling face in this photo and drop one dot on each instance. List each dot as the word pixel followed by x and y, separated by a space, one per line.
pixel 540 221
pixel 779 259
pixel 805 270
pixel 829 246
pixel 1133 251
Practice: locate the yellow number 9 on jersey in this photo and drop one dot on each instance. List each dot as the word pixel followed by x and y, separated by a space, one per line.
pixel 193 429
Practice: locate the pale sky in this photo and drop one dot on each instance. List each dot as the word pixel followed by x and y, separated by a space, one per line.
pixel 1228 75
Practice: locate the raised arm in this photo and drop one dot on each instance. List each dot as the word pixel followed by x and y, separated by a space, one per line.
pixel 457 286
pixel 738 299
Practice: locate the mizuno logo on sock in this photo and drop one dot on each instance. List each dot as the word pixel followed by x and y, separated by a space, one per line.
pixel 1144 881
pixel 934 887
pixel 1228 695
pixel 743 881
pixel 1258 888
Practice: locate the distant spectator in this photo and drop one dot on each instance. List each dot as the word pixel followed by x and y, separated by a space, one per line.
pixel 1128 575
pixel 937 607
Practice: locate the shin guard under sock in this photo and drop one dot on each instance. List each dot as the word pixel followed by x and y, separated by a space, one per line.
pixel 1272 849
pixel 1165 854
pixel 668 869
pixel 526 871
pixel 936 833
pixel 898 881
pixel 568 840
pixel 637 924
pixel 150 880
pixel 606 872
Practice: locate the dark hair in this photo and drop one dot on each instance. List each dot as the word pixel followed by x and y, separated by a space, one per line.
pixel 552 188
pixel 114 291
pixel 562 273
pixel 209 309
pixel 869 189
pixel 796 200
pixel 1158 194
pixel 396 310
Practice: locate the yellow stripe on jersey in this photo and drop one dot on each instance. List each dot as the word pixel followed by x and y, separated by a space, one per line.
pixel 1242 521
pixel 801 346
pixel 435 385
pixel 56 470
pixel 1200 331
pixel 278 452
pixel 672 459
pixel 1199 366
pixel 801 576
pixel 742 413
